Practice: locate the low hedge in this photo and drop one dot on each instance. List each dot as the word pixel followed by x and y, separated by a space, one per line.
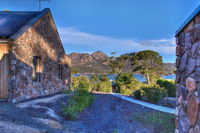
pixel 77 103
pixel 154 92
pixel 169 85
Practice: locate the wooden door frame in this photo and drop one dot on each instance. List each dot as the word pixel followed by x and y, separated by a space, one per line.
pixel 6 89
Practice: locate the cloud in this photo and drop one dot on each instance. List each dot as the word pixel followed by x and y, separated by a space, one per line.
pixel 73 36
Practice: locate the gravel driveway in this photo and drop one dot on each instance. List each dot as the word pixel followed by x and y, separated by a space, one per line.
pixel 107 114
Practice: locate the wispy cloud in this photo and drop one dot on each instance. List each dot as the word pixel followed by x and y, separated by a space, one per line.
pixel 73 36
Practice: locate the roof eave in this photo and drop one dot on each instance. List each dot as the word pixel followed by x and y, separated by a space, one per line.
pixel 29 24
pixel 188 20
pixel 4 40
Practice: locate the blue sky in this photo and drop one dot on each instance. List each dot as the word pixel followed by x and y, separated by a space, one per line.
pixel 119 26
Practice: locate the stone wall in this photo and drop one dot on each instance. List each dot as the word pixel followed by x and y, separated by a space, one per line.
pixel 188 78
pixel 41 40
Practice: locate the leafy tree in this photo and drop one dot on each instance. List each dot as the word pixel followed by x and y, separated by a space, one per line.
pixel 149 64
pixel 74 70
pixel 94 78
pixel 103 77
pixel 126 83
pixel 118 63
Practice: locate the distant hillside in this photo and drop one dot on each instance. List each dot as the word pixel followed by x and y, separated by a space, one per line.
pixel 98 62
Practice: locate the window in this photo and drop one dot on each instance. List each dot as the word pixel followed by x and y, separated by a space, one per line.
pixel 60 70
pixel 36 68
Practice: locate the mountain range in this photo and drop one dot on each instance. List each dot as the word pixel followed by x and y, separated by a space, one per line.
pixel 98 62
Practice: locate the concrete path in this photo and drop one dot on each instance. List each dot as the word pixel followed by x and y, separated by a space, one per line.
pixel 145 104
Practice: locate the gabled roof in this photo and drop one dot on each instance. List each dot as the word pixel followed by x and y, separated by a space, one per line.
pixel 13 24
pixel 188 20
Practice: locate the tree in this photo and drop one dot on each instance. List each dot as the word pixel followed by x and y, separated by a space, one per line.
pixel 118 63
pixel 103 77
pixel 74 70
pixel 148 63
pixel 94 78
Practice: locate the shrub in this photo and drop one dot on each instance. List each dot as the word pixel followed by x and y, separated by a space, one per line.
pixel 94 78
pixel 77 103
pixel 137 94
pixel 103 77
pixel 103 86
pixel 81 83
pixel 153 93
pixel 169 85
pixel 125 91
pixel 127 83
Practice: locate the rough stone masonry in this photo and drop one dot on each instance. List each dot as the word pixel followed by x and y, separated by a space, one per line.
pixel 41 40
pixel 188 77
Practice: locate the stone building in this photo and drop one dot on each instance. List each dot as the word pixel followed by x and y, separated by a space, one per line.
pixel 33 62
pixel 188 75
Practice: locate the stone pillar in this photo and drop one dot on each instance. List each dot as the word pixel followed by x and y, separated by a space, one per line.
pixel 188 79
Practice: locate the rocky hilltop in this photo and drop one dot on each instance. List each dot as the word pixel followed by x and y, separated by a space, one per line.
pixel 98 62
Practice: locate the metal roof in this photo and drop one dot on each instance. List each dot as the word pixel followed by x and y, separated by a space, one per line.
pixel 11 22
pixel 14 24
pixel 188 20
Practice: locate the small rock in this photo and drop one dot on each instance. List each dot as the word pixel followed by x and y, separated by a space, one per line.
pixel 192 110
pixel 191 84
pixel 51 123
pixel 196 129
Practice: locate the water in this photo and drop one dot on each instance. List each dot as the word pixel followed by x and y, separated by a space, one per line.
pixel 137 76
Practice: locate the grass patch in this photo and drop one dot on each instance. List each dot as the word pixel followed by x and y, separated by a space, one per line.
pixel 77 103
pixel 157 120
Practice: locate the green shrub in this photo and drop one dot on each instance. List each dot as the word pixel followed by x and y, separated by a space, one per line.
pixel 169 85
pixel 137 94
pixel 81 83
pixel 103 77
pixel 94 78
pixel 153 93
pixel 77 103
pixel 127 83
pixel 103 86
pixel 125 91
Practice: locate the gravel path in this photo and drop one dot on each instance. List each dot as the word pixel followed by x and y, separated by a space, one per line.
pixel 107 114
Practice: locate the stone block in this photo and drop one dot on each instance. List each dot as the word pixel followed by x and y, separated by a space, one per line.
pixel 189 27
pixel 191 65
pixel 191 84
pixel 178 50
pixel 198 61
pixel 193 110
pixel 194 50
pixel 184 124
pixel 181 39
pixel 183 62
pixel 182 91
pixel 196 129
pixel 195 33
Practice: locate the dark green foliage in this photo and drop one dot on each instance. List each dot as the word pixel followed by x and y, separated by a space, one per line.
pixel 154 93
pixel 77 103
pixel 149 64
pixel 118 63
pixel 169 85
pixel 103 77
pixel 127 83
pixel 137 94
